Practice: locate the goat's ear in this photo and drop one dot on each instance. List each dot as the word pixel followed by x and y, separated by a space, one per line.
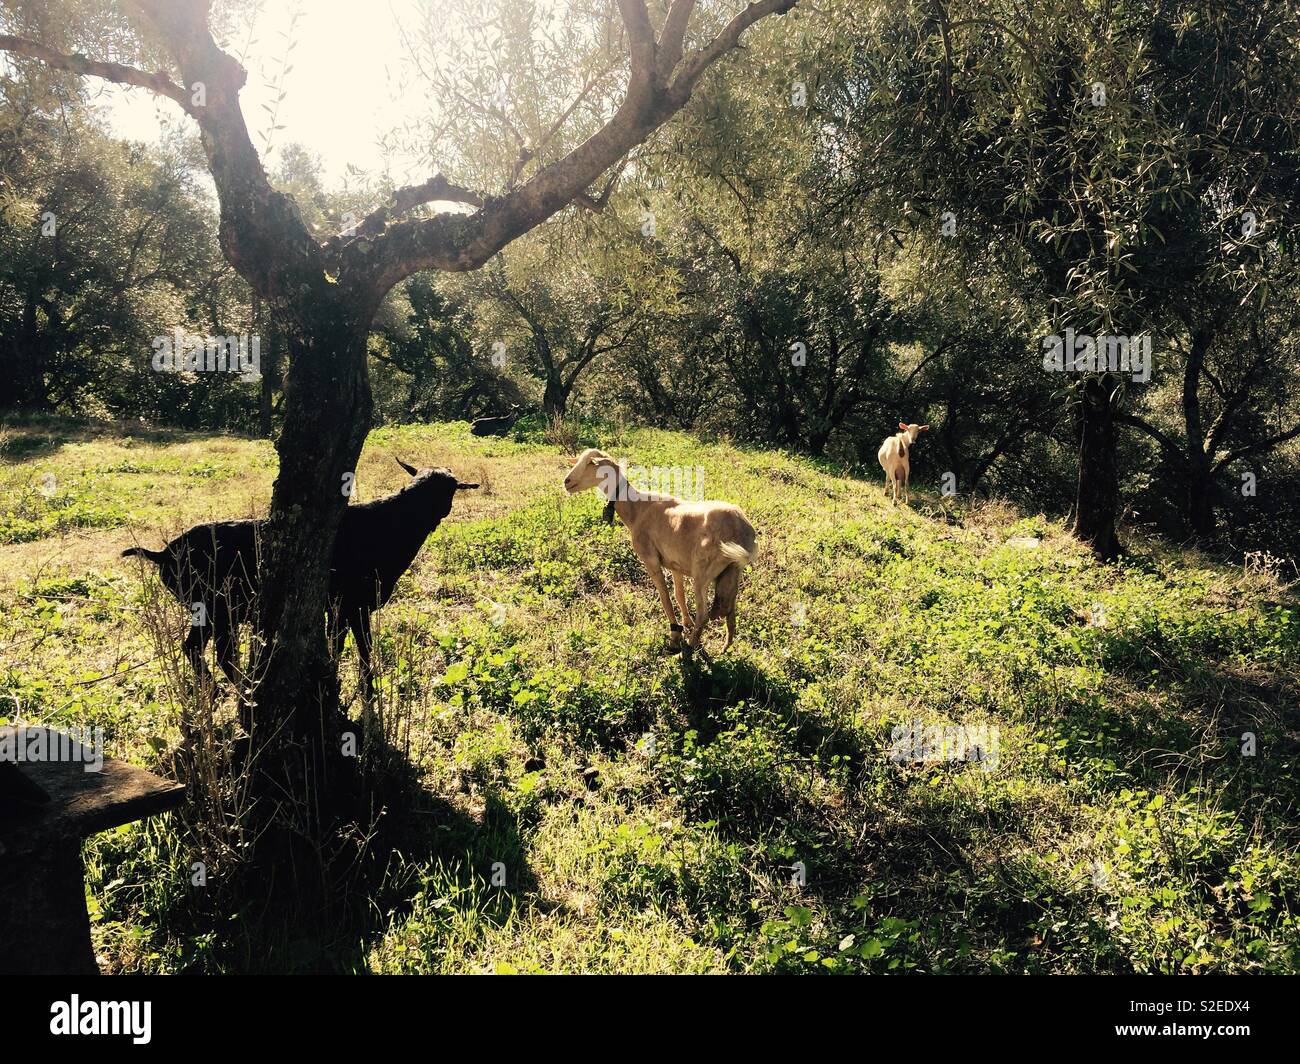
pixel 903 425
pixel 410 469
pixel 924 428
pixel 464 487
pixel 573 461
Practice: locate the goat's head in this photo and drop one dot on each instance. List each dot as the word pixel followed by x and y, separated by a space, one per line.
pixel 592 469
pixel 913 430
pixel 441 484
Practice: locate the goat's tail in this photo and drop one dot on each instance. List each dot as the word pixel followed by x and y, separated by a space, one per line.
pixel 155 556
pixel 737 554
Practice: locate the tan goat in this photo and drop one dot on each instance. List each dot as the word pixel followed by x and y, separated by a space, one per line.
pixel 711 542
pixel 894 457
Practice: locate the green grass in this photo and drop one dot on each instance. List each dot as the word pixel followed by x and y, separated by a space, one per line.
pixel 593 804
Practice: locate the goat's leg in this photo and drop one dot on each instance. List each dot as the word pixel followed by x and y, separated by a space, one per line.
pixel 679 592
pixel 907 493
pixel 665 600
pixel 193 645
pixel 725 591
pixel 337 628
pixel 225 633
pixel 700 582
pixel 360 624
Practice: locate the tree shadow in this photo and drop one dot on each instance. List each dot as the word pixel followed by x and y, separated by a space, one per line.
pixel 967 873
pixel 320 905
pixel 751 784
pixel 32 437
pixel 712 686
pixel 29 446
pixel 938 860
pixel 1204 724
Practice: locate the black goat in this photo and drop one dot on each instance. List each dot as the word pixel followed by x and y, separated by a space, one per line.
pixel 496 426
pixel 212 568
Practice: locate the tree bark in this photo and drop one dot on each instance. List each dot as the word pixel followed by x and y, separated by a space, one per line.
pixel 270 369
pixel 555 399
pixel 297 726
pixel 1199 505
pixel 22 386
pixel 1097 499
pixel 266 398
pixel 327 388
pixel 1200 499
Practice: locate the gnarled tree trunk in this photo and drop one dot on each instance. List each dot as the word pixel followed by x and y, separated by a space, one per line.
pixel 555 399
pixel 326 416
pixel 1098 487
pixel 22 384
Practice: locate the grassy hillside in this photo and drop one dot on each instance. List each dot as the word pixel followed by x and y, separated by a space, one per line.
pixel 593 804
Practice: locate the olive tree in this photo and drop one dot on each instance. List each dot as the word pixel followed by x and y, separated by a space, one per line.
pixel 324 293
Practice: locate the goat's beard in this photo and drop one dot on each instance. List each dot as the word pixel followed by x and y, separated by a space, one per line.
pixel 608 515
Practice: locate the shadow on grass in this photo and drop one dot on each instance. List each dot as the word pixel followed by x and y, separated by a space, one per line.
pixel 711 687
pixel 1235 730
pixel 819 802
pixel 302 908
pixel 31 437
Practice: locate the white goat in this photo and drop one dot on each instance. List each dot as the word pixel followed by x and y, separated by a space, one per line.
pixel 894 457
pixel 711 542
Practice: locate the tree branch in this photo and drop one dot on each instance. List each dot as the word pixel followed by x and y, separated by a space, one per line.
pixel 528 153
pixel 590 352
pixel 993 23
pixel 262 233
pixel 1240 393
pixel 458 242
pixel 404 199
pixel 597 205
pixel 1256 448
pixel 673 38
pixel 1136 422
pixel 641 38
pixel 157 82
pixel 698 62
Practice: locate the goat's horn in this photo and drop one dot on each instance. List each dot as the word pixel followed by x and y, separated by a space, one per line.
pixel 460 486
pixel 410 469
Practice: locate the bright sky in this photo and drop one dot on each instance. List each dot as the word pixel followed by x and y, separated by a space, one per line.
pixel 343 91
